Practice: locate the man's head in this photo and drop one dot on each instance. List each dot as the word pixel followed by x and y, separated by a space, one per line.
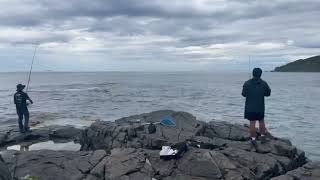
pixel 20 87
pixel 257 72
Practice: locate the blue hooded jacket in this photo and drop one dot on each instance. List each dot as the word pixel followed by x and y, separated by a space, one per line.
pixel 254 90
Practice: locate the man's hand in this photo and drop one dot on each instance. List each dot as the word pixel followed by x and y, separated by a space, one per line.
pixel 30 102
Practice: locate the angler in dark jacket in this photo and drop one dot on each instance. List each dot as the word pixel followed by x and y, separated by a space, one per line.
pixel 20 100
pixel 254 90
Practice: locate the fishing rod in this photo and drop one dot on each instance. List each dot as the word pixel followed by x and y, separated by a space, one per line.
pixel 249 66
pixel 34 55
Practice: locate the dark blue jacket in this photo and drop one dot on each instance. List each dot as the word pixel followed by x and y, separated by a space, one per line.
pixel 255 90
pixel 20 100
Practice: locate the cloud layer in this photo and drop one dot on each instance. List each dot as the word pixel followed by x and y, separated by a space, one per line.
pixel 174 34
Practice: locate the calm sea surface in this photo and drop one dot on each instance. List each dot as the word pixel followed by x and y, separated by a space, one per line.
pixel 79 98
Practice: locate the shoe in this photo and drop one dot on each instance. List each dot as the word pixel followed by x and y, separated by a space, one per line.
pixel 254 143
pixel 28 130
pixel 21 131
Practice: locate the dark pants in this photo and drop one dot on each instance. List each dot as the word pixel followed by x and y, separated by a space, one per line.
pixel 23 113
pixel 254 116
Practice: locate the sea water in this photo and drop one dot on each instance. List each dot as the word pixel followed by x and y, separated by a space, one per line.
pixel 79 99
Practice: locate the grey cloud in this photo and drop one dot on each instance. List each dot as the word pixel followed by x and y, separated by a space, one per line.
pixel 41 11
pixel 45 38
pixel 115 23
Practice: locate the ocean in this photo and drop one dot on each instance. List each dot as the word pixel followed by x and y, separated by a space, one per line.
pixel 78 99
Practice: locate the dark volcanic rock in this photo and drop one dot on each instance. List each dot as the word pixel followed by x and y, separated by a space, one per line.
pixel 126 150
pixel 123 163
pixel 132 132
pixel 65 132
pixel 137 164
pixel 310 171
pixel 264 166
pixel 203 164
pixel 225 130
pixel 208 143
pixel 53 165
pixel 4 171
pixel 128 164
pixel 215 140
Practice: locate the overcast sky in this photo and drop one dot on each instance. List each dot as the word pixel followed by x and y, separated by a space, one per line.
pixel 156 35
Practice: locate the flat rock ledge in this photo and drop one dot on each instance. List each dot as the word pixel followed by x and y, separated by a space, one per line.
pixel 125 150
pixel 11 135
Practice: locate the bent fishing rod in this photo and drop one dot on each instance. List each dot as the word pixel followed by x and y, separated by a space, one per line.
pixel 29 77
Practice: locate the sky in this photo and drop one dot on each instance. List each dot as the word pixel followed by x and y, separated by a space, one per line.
pixel 156 35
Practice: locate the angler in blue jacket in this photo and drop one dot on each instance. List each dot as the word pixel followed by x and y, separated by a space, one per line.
pixel 254 90
pixel 20 100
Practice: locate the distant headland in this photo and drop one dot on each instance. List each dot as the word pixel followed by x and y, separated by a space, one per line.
pixel 311 64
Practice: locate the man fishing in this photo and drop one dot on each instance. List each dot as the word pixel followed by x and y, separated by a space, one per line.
pixel 20 100
pixel 254 90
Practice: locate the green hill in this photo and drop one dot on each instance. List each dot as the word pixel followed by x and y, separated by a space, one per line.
pixel 311 64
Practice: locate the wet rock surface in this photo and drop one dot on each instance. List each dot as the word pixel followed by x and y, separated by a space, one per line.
pixel 4 171
pixel 310 171
pixel 127 149
pixel 12 135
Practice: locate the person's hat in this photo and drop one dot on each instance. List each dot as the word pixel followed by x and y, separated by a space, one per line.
pixel 20 86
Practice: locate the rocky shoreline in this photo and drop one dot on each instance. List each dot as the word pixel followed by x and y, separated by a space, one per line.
pixel 125 150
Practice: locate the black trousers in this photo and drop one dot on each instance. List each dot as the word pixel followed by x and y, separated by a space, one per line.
pixel 23 113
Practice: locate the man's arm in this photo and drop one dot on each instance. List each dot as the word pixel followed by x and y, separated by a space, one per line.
pixel 267 91
pixel 244 90
pixel 28 98
pixel 14 99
